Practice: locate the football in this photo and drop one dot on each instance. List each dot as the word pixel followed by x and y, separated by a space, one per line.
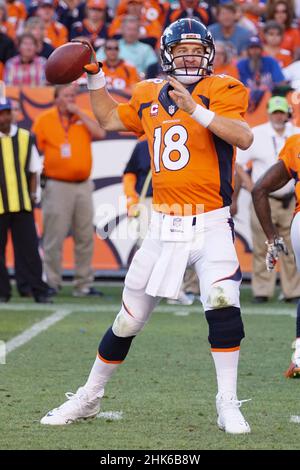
pixel 66 63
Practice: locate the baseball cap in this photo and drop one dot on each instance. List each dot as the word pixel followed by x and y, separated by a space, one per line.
pixel 5 103
pixel 254 41
pixel 96 4
pixel 278 103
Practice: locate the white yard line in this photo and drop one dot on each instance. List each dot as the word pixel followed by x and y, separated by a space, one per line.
pixel 63 310
pixel 36 329
pixel 178 310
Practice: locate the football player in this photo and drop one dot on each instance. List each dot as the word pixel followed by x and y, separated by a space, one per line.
pixel 193 121
pixel 276 177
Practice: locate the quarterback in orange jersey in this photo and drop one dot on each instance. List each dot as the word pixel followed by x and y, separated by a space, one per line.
pixel 193 121
pixel 276 177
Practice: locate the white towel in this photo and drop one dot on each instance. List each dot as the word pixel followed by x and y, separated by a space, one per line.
pixel 167 274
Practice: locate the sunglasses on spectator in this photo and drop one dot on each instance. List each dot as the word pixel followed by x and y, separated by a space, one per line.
pixel 112 48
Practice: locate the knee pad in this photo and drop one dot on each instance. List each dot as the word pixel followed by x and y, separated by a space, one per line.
pixel 226 329
pixel 113 349
pixel 223 294
pixel 126 325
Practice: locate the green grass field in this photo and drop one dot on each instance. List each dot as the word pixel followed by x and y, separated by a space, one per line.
pixel 166 388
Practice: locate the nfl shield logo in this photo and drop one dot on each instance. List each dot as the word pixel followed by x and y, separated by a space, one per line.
pixel 171 109
pixel 177 222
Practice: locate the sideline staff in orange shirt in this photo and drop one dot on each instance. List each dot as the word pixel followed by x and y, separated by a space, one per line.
pixel 64 135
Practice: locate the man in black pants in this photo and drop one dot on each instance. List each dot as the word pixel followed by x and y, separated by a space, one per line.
pixel 19 165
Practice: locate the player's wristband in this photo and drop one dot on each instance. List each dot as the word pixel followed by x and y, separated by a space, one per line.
pixel 203 116
pixel 96 81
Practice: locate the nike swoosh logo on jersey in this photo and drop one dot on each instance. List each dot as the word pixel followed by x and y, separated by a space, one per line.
pixel 231 86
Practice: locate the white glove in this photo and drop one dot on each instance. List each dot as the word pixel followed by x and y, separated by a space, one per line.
pixel 274 249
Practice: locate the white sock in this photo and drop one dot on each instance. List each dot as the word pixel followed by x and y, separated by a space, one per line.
pixel 99 376
pixel 226 364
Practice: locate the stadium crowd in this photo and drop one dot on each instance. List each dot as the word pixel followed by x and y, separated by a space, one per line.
pixel 257 42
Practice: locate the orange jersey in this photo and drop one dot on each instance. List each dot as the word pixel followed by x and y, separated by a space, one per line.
pixel 190 165
pixel 121 77
pixel 291 39
pixel 283 57
pixel 16 11
pixel 290 155
pixel 9 29
pixel 148 29
pixel 57 34
pixel 153 9
pixel 1 70
pixel 228 69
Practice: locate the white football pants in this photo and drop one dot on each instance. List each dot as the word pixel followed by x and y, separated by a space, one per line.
pixel 213 255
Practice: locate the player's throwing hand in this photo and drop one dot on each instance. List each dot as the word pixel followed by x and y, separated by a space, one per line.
pixel 181 96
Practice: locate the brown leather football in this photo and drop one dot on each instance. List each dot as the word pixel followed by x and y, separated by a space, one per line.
pixel 66 63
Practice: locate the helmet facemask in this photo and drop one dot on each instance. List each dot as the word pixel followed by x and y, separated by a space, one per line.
pixel 188 73
pixel 187 31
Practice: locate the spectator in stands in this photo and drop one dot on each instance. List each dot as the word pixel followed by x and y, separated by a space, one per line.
pixel 56 32
pixel 190 9
pixel 67 198
pixel 244 21
pixel 258 72
pixel 252 10
pixel 19 165
pixel 269 139
pixel 227 30
pixel 223 62
pixel 7 50
pixel 150 29
pixel 153 9
pixel 16 14
pixel 93 26
pixel 6 27
pixel 136 53
pixel 282 12
pixel 70 11
pixel 119 75
pixel 273 33
pixel 27 68
pixel 36 27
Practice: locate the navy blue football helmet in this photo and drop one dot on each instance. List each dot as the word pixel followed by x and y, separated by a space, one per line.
pixel 187 30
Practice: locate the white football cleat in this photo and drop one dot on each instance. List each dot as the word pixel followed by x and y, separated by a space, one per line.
pixel 230 419
pixel 78 406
